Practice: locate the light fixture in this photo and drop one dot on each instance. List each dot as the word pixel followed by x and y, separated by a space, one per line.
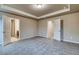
pixel 39 5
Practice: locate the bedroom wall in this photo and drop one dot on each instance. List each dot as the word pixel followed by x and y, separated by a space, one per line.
pixel 28 27
pixel 43 27
pixel 42 31
pixel 71 27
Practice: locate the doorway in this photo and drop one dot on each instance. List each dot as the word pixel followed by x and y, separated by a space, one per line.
pixel 50 29
pixel 61 30
pixel 15 29
pixel 58 29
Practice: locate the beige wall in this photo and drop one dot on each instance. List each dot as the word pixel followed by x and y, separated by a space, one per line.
pixel 28 27
pixel 43 27
pixel 71 27
pixel 42 31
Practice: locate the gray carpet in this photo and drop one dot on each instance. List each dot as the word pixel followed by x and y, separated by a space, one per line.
pixel 40 46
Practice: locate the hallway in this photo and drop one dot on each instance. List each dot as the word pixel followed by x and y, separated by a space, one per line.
pixel 40 46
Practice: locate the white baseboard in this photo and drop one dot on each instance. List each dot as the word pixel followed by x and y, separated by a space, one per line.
pixel 71 41
pixel 27 37
pixel 57 40
pixel 42 36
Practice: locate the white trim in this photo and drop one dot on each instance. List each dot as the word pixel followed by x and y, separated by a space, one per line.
pixel 3 7
pixel 17 11
pixel 71 41
pixel 54 13
pixel 27 37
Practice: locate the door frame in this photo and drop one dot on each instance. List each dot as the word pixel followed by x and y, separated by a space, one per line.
pixel 11 25
pixel 19 25
pixel 60 30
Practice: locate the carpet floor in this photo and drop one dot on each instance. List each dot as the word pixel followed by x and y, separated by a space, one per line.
pixel 40 46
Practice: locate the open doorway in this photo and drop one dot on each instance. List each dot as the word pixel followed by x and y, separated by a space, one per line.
pixel 58 29
pixel 50 30
pixel 55 29
pixel 61 30
pixel 15 29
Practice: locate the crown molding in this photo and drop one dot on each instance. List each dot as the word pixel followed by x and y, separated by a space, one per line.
pixel 54 13
pixel 6 8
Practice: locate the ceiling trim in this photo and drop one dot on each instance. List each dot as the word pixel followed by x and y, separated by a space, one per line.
pixel 3 7
pixel 54 13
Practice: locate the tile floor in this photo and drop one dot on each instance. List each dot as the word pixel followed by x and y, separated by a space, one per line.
pixel 40 46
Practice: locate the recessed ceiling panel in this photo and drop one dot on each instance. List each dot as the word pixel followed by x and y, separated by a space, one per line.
pixel 30 8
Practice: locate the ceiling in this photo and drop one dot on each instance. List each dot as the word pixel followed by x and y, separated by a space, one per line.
pixel 29 8
pixel 49 9
pixel 74 7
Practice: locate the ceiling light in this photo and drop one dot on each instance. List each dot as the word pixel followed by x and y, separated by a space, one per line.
pixel 39 6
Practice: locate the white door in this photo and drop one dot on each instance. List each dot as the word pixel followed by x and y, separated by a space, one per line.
pixel 6 30
pixel 57 29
